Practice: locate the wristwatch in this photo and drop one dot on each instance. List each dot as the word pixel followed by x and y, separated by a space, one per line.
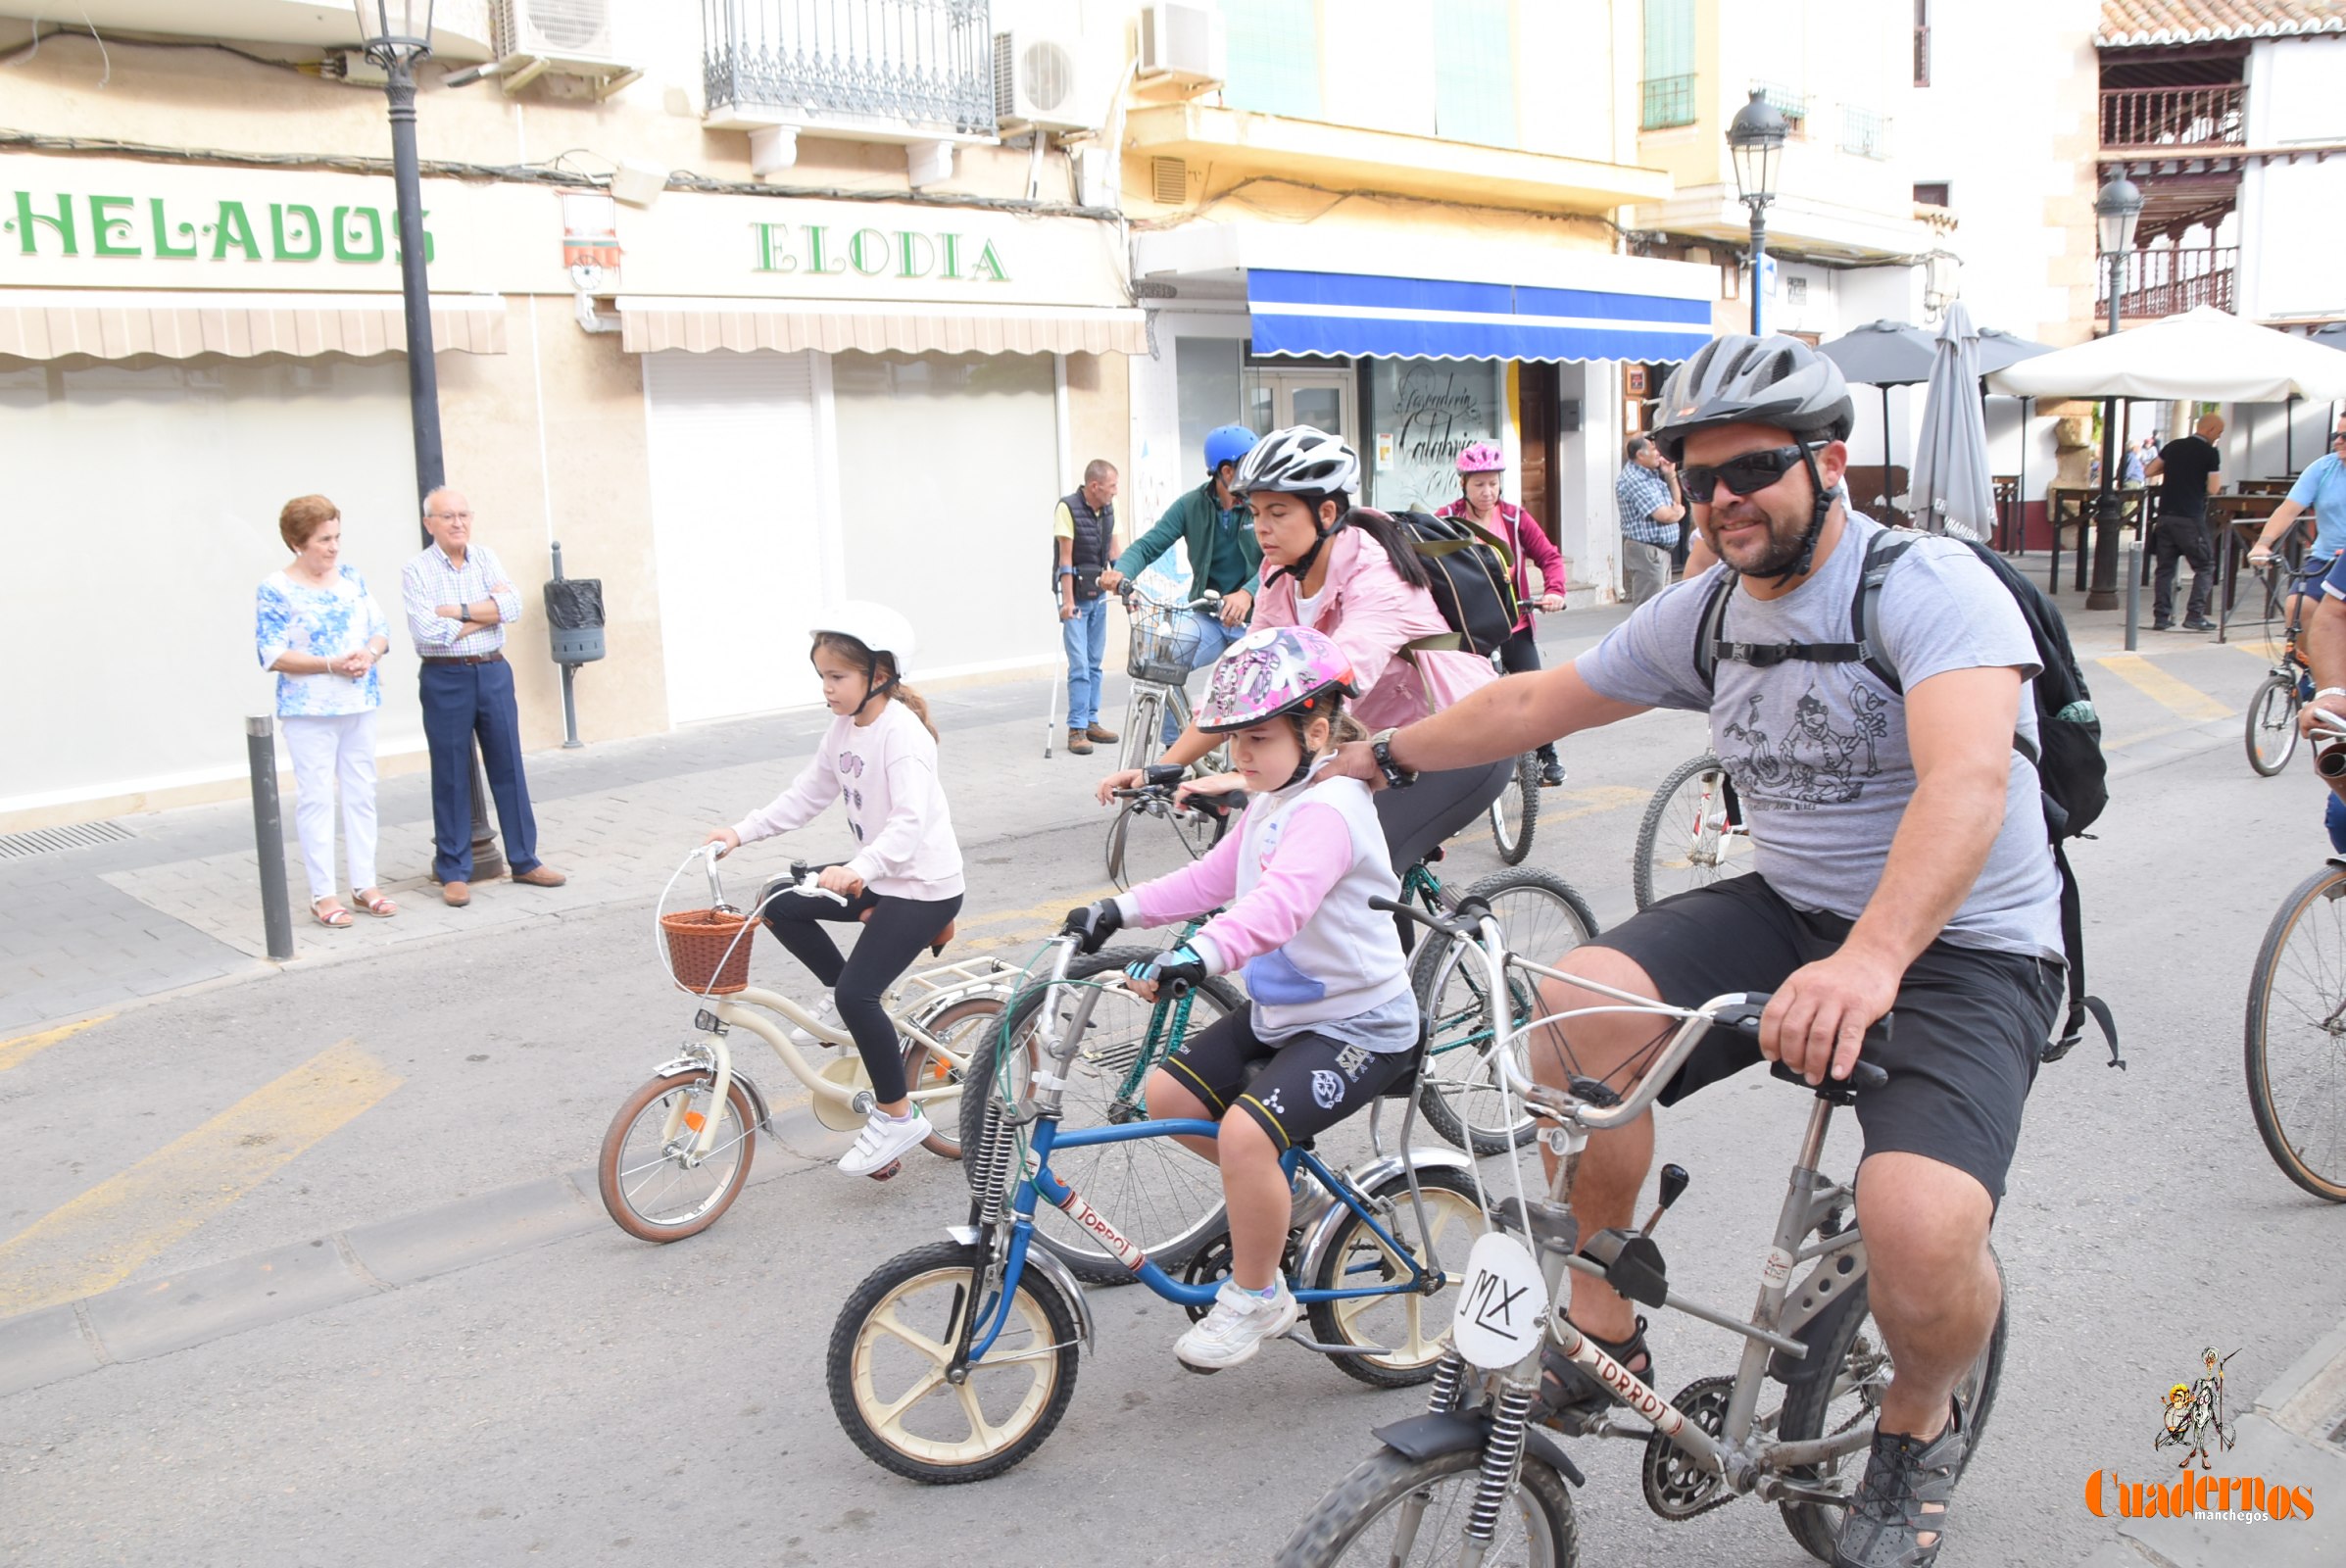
pixel 1396 777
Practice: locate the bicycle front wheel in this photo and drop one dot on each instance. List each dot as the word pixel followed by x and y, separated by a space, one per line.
pixel 2273 724
pixel 1515 814
pixel 1692 834
pixel 1543 919
pixel 1167 1200
pixel 1398 1510
pixel 1142 717
pixel 2297 1036
pixel 652 1183
pixel 1401 1335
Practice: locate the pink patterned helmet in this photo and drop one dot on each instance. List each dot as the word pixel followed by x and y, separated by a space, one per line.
pixel 1482 456
pixel 1274 671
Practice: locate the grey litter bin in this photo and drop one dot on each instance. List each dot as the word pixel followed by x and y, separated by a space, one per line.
pixel 574 624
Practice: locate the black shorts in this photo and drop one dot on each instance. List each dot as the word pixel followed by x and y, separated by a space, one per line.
pixel 1963 1051
pixel 1308 1084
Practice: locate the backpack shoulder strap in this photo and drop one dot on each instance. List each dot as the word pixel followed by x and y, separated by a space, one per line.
pixel 1865 606
pixel 1706 631
pixel 2072 947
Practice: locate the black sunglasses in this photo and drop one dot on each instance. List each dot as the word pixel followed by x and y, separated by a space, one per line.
pixel 1746 474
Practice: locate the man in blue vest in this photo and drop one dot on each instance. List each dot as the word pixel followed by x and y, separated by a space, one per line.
pixel 1085 542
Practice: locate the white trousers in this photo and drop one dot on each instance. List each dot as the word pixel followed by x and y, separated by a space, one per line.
pixel 327 750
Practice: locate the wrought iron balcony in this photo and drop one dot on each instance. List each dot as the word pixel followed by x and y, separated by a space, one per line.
pixel 913 62
pixel 1668 101
pixel 1865 132
pixel 2175 116
pixel 2167 280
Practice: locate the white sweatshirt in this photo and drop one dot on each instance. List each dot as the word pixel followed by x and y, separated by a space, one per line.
pixel 886 774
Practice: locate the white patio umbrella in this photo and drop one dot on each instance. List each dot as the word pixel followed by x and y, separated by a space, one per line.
pixel 1953 492
pixel 2202 354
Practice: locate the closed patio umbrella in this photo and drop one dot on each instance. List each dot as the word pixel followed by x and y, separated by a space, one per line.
pixel 1883 355
pixel 1952 491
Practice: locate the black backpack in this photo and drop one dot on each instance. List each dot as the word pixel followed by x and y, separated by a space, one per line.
pixel 2071 773
pixel 1474 579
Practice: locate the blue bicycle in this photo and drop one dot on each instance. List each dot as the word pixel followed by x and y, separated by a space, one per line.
pixel 954 1361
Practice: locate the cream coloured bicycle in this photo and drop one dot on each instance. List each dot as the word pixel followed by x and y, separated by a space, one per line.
pixel 677 1153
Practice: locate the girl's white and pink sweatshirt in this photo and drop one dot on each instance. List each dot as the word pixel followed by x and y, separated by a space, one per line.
pixel 886 775
pixel 1296 877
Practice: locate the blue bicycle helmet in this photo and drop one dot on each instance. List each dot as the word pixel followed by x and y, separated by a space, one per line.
pixel 1226 443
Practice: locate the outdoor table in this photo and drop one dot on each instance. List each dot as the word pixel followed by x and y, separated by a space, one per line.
pixel 2265 487
pixel 2065 504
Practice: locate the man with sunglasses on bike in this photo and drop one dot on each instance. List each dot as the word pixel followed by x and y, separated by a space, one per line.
pixel 1902 862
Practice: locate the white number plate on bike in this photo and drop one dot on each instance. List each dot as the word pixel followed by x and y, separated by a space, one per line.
pixel 1503 1308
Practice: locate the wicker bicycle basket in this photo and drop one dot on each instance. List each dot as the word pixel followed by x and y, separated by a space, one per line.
pixel 698 942
pixel 1164 646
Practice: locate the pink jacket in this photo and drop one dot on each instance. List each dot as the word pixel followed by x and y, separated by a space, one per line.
pixel 1371 612
pixel 1525 539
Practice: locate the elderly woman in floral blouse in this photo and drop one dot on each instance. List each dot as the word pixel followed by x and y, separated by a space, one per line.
pixel 320 629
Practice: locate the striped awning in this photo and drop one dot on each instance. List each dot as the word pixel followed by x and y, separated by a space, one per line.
pixel 1412 317
pixel 701 326
pixel 127 324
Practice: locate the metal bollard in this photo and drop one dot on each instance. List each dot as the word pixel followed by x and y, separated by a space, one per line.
pixel 269 834
pixel 2134 589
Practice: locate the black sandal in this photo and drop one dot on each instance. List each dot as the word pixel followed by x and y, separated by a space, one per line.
pixel 1572 1399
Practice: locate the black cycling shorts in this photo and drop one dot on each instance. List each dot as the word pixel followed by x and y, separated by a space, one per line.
pixel 1963 1048
pixel 1308 1084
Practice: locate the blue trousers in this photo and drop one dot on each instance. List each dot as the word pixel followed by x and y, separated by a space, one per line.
pixel 2333 818
pixel 1214 639
pixel 460 702
pixel 1086 639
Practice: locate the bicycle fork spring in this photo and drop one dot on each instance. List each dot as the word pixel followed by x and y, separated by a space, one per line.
pixel 994 1160
pixel 1502 1454
pixel 1448 1373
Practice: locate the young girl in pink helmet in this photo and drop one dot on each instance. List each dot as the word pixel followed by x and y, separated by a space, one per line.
pixel 1518 532
pixel 1332 1009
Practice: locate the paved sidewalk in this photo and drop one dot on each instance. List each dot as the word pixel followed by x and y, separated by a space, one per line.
pixel 85 931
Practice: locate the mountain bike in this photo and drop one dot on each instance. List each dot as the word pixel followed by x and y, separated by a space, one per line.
pixel 1692 834
pixel 954 1361
pixel 1474 1479
pixel 678 1150
pixel 1165 639
pixel 1515 814
pixel 2286 687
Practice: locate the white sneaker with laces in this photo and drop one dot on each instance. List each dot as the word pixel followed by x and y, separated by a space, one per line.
pixel 1236 1328
pixel 884 1141
pixel 826 1012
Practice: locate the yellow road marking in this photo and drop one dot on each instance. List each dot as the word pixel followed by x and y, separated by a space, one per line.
pixel 15 1053
pixel 2181 699
pixel 103 1237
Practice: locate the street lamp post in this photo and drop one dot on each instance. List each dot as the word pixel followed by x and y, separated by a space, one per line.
pixel 1755 139
pixel 2115 211
pixel 396 34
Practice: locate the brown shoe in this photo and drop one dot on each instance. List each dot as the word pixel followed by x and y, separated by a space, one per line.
pixel 1079 743
pixel 1105 737
pixel 541 875
pixel 456 895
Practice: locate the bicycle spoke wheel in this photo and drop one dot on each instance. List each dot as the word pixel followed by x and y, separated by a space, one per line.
pixel 649 1182
pixel 2273 724
pixel 1402 1334
pixel 1142 717
pixel 1164 1198
pixel 1515 814
pixel 888 1358
pixel 1692 834
pixel 2296 1043
pixel 1543 919
pixel 962 1030
pixel 1394 1510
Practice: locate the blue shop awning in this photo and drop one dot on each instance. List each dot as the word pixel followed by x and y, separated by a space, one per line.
pixel 1412 317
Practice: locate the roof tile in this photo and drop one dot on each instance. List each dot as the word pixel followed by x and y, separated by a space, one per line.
pixel 2136 24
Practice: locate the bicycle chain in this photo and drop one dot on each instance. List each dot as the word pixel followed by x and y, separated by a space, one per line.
pixel 1677 1487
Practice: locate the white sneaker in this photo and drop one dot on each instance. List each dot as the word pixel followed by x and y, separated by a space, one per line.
pixel 825 1013
pixel 1236 1328
pixel 884 1141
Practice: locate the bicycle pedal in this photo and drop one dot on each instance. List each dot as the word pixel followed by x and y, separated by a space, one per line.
pixel 892 1167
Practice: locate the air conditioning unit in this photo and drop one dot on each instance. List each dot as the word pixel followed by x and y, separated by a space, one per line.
pixel 572 38
pixel 1035 84
pixel 1184 42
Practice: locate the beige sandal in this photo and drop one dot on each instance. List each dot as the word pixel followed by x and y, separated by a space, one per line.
pixel 337 918
pixel 375 902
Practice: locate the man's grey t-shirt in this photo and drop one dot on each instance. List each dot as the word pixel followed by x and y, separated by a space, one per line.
pixel 1818 752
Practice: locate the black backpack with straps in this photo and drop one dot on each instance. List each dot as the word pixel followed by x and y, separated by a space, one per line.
pixel 2071 773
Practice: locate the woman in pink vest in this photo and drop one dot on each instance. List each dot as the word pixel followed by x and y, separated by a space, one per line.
pixel 1527 545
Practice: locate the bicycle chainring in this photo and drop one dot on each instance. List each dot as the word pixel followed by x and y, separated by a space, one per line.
pixel 1677 1486
pixel 1209 1265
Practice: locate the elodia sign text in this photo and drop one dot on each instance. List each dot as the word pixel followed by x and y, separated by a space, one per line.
pixel 828 250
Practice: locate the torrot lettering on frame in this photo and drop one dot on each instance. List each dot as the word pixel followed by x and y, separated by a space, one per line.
pixel 827 250
pixel 117 226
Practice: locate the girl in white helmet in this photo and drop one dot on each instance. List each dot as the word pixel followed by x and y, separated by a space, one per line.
pixel 903 882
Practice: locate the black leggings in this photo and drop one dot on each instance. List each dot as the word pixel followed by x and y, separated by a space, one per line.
pixel 1417 818
pixel 898 928
pixel 1518 655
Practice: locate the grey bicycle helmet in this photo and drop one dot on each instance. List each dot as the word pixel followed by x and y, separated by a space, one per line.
pixel 1300 460
pixel 1779 381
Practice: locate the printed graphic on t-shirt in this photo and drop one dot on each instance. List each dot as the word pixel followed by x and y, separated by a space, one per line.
pixel 1807 762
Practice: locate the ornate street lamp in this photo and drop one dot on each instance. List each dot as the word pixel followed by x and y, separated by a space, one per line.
pixel 1755 139
pixel 2117 209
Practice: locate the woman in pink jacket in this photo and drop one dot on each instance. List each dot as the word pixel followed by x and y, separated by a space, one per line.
pixel 1518 533
pixel 1348 571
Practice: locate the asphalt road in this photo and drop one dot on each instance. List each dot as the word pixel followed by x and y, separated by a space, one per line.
pixel 598 1399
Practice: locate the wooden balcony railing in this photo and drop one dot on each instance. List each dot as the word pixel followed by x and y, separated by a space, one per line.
pixel 2167 280
pixel 2175 116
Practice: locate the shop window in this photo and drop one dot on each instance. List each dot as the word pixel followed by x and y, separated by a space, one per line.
pixel 1474 73
pixel 1274 49
pixel 1668 90
pixel 1421 414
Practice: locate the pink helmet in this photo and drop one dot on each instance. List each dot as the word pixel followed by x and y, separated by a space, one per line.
pixel 1482 456
pixel 1274 671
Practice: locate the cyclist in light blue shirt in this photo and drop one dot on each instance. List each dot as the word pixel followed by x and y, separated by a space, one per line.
pixel 2321 490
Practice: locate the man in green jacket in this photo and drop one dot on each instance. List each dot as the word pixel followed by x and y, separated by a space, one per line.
pixel 1219 530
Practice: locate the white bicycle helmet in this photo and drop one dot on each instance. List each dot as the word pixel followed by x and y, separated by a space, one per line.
pixel 874 625
pixel 1300 460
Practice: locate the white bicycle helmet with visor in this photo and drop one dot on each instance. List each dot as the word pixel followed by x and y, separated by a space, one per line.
pixel 1779 381
pixel 1305 461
